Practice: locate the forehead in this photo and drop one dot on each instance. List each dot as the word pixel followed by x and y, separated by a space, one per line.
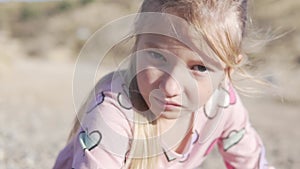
pixel 160 41
pixel 168 44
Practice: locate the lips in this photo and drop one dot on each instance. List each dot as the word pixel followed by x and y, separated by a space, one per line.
pixel 172 103
pixel 168 105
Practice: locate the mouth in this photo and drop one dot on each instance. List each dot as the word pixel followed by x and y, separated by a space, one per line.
pixel 168 104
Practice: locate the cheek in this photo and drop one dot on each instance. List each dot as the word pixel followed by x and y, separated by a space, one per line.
pixel 200 93
pixel 205 91
pixel 147 80
pixel 142 82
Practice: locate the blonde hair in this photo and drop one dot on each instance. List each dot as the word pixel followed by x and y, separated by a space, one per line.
pixel 222 24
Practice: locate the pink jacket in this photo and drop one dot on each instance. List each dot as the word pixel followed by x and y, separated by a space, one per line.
pixel 104 137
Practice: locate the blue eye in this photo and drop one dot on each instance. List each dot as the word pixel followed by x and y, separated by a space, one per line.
pixel 156 55
pixel 199 68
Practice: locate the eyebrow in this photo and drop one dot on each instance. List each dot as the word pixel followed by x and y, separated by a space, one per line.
pixel 206 59
pixel 203 57
pixel 151 44
pixel 156 45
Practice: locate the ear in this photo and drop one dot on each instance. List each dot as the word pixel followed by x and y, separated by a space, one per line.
pixel 238 59
pixel 229 70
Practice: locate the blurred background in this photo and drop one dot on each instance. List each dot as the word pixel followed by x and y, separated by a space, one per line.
pixel 39 44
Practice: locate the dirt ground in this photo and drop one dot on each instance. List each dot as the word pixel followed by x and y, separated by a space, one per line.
pixel 36 102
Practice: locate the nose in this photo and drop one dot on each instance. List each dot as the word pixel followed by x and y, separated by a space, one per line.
pixel 169 86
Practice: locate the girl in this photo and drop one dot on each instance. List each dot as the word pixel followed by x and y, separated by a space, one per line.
pixel 175 101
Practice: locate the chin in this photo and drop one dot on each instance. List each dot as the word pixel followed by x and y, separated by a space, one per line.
pixel 173 114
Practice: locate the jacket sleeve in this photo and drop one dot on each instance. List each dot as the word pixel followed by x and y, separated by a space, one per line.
pixel 239 144
pixel 103 139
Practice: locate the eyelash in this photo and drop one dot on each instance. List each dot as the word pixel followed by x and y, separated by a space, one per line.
pixel 156 55
pixel 199 68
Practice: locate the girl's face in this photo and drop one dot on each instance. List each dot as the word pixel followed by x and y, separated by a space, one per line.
pixel 173 79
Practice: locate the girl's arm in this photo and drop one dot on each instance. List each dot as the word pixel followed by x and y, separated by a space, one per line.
pixel 240 145
pixel 102 140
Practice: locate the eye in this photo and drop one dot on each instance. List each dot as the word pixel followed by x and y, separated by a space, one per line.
pixel 156 56
pixel 199 68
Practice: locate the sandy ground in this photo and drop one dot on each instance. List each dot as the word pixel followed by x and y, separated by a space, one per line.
pixel 37 112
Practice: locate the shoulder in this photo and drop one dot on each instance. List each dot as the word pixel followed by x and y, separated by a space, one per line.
pixel 110 98
pixel 235 116
pixel 236 110
pixel 105 128
pixel 110 90
pixel 108 111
